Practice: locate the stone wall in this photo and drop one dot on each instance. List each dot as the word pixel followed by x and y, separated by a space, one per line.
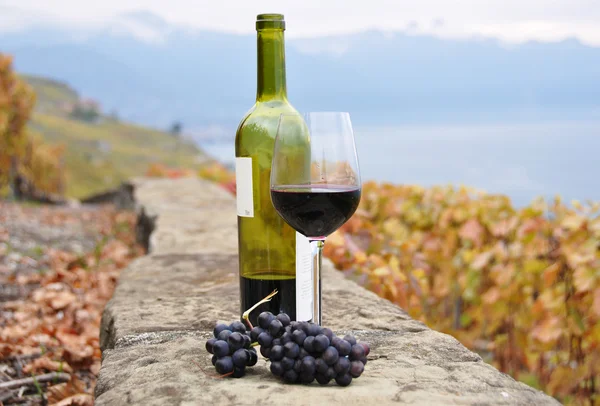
pixel 166 304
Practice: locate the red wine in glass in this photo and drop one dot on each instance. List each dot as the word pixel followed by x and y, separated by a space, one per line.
pixel 315 211
pixel 315 186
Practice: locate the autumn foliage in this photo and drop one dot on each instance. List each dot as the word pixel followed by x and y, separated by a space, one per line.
pixel 22 154
pixel 56 327
pixel 520 285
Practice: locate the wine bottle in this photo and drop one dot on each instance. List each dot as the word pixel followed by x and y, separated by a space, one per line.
pixel 271 254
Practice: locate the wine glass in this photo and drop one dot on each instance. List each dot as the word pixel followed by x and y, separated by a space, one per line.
pixel 315 180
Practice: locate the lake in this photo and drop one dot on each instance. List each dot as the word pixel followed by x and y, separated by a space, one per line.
pixel 522 161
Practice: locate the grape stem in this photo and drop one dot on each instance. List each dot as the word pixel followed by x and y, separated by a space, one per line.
pixel 246 315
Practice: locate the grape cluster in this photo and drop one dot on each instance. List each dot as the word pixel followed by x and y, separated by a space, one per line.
pixel 231 349
pixel 303 352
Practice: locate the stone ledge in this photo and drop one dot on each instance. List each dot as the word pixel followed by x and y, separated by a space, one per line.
pixel 165 306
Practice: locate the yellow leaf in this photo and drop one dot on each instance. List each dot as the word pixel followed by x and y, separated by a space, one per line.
pixel 534 266
pixel 573 222
pixel 382 271
pixel 584 279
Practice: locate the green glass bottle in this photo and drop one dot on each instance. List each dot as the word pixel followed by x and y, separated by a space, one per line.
pixel 271 254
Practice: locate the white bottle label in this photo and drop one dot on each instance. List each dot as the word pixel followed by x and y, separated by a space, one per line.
pixel 243 185
pixel 304 279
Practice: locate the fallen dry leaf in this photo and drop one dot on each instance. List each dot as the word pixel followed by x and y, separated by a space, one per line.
pixel 47 364
pixel 82 399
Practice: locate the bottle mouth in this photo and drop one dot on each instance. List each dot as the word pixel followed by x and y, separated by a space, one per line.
pixel 270 21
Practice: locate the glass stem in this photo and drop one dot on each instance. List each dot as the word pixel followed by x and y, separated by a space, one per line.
pixel 317 253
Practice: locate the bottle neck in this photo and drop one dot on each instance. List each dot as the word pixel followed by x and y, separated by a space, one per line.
pixel 271 65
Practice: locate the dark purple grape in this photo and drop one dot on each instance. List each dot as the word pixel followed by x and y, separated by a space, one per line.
pixel 363 360
pixel 224 365
pixel 276 353
pixel 287 363
pixel 343 347
pixel 290 376
pixel 286 338
pixel 303 325
pixel 238 372
pixel 291 349
pixel 214 359
pixel 276 341
pixel 277 368
pixel 366 347
pixel 309 344
pixel 265 351
pixel 330 356
pixel 327 332
pixel 321 343
pixel 330 373
pixel 276 328
pixel 322 379
pixel 350 339
pixel 255 333
pixel 343 380
pixel 224 335
pixel 264 319
pixel 299 336
pixel 313 329
pixel 210 344
pixel 284 319
pixel 237 327
pixel 298 365
pixel 356 368
pixel 308 365
pixel 265 339
pixel 247 341
pixel 252 358
pixel 357 352
pixel 218 328
pixel 240 358
pixel 294 325
pixel 288 329
pixel 235 341
pixel 221 348
pixel 321 366
pixel 303 353
pixel 306 377
pixel 342 366
pixel 335 341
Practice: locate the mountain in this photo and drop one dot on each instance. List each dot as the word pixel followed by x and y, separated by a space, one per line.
pixel 155 73
pixel 102 151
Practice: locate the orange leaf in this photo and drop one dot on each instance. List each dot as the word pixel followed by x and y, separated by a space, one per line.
pixel 550 330
pixel 491 296
pixel 472 230
pixel 596 303
pixel 47 364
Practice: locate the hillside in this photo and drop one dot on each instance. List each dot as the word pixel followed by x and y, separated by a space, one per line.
pixel 101 151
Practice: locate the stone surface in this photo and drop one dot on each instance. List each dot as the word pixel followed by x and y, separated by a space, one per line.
pixel 165 306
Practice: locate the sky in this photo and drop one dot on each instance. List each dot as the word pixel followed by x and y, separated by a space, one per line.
pixel 512 21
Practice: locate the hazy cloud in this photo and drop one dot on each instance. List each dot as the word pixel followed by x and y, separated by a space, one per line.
pixel 509 20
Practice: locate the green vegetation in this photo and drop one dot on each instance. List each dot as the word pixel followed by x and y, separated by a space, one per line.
pixel 103 152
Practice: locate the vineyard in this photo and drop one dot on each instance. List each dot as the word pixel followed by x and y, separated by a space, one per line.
pixel 519 286
pixel 27 164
